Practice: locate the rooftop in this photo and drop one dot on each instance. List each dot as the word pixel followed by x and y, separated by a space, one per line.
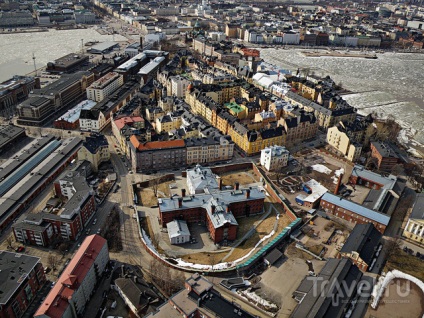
pixel 177 228
pixel 73 114
pixel 234 107
pixel 418 208
pixel 14 269
pixel 156 145
pixel 56 302
pixel 105 80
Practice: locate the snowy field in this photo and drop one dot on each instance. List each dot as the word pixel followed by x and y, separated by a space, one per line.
pixel 391 84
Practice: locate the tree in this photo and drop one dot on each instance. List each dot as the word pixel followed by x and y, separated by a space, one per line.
pixel 63 248
pixel 52 260
pixel 155 239
pixel 391 247
pixel 9 240
pixel 154 185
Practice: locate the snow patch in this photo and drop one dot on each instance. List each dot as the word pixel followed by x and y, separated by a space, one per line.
pixel 258 300
pixel 337 174
pixel 321 168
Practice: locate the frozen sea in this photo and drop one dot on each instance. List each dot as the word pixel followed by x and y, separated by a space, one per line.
pixel 16 49
pixel 391 84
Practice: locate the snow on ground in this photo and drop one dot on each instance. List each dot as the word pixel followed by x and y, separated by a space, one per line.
pixel 337 174
pixel 321 168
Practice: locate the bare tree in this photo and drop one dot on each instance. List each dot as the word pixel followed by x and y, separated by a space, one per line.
pixel 391 247
pixel 10 240
pixel 53 261
pixel 63 248
pixel 155 239
pixel 154 185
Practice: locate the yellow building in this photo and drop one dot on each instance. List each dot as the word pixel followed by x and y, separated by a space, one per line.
pixel 253 141
pixel 236 110
pixel 414 229
pixel 340 141
pixel 95 149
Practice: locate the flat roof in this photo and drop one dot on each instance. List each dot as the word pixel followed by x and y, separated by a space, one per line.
pixel 418 207
pixel 8 133
pixel 146 69
pixel 14 270
pixel 73 114
pixel 104 46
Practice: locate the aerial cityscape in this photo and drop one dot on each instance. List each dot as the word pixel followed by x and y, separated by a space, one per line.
pixel 212 158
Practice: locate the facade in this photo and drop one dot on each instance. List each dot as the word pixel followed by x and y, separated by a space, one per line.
pixel 209 149
pixel 13 92
pixel 43 104
pixel 362 246
pixel 274 158
pixel 95 149
pixel 46 158
pixel 73 290
pixel 216 209
pixel 98 117
pixel 414 229
pixel 104 86
pixel 178 232
pixel 157 154
pixel 385 154
pixel 70 120
pixel 22 278
pixel 199 299
pixel 68 221
pixel 340 141
pixel 178 85
pixel 352 212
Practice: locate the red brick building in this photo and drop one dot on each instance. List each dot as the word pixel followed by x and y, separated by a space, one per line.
pixel 386 156
pixel 217 210
pixel 352 212
pixel 22 277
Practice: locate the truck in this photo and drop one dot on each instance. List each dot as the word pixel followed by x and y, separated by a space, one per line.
pixel 307 189
pixel 300 199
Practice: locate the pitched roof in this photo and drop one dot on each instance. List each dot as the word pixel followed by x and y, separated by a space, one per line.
pixel 356 208
pixel 156 145
pixel 56 302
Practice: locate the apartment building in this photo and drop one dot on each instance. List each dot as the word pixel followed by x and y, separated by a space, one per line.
pixel 386 155
pixel 209 149
pixel 178 85
pixel 67 221
pixel 340 141
pixel 253 141
pixel 157 155
pixel 299 125
pixel 74 288
pixel 95 149
pixel 274 158
pixel 104 86
pixel 22 278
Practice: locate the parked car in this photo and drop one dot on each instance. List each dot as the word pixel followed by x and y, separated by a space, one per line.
pixel 20 249
pixel 95 221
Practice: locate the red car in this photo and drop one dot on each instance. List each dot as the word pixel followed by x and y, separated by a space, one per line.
pixel 20 249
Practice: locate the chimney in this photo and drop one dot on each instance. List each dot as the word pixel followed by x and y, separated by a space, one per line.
pixel 236 186
pixel 141 44
pixel 219 183
pixel 183 192
pixel 228 209
pixel 213 209
pixel 247 193
pixel 180 202
pixel 339 182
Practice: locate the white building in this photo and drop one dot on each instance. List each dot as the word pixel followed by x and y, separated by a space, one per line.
pixel 178 232
pixel 274 157
pixel 104 86
pixel 74 288
pixel 179 85
pixel 200 178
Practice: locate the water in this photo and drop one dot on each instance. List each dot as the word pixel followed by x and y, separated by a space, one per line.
pixel 16 49
pixel 392 84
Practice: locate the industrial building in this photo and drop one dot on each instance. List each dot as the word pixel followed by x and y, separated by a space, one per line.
pixel 70 120
pixel 103 48
pixel 29 171
pixel 15 91
pixel 68 63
